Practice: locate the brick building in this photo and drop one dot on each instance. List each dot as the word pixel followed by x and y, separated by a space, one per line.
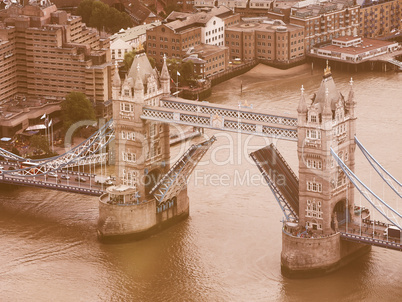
pixel 272 41
pixel 215 59
pixel 380 18
pixel 327 20
pixel 48 53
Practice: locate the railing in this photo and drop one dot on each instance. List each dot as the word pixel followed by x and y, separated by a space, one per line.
pixel 50 185
pixel 371 241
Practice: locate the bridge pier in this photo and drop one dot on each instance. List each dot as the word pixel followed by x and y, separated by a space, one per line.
pixel 313 257
pixel 131 221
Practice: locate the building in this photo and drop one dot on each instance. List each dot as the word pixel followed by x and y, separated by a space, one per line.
pixel 326 20
pixel 326 196
pixel 222 12
pixel 380 18
pixel 267 40
pixel 48 53
pixel 354 49
pixel 185 31
pixel 133 38
pixel 171 40
pixel 209 58
pixel 144 86
pixel 19 113
pixel 119 48
pixel 139 13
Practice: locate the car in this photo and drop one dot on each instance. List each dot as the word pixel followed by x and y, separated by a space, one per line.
pixel 52 174
pixel 108 182
pixel 11 168
pixel 64 176
pixel 1 168
pixel 80 179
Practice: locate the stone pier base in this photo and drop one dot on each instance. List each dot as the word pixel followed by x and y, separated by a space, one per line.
pixel 126 222
pixel 313 257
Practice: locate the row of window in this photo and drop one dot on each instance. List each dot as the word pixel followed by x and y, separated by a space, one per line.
pixel 129 157
pixel 314 186
pixel 313 134
pixel 129 135
pixel 315 164
pixel 129 178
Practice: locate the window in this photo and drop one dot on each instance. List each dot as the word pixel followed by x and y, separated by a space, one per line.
pixel 314 186
pixel 313 209
pixel 313 118
pixel 313 134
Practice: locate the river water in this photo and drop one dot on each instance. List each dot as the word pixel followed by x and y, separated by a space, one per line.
pixel 229 248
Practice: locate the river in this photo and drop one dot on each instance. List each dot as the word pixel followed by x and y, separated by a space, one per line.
pixel 229 248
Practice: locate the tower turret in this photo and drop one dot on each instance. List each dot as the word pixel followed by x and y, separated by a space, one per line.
pixel 138 87
pixel 165 78
pixel 302 108
pixel 116 83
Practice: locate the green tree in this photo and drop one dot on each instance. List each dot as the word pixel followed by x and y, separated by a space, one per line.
pixel 152 61
pixel 39 142
pixel 76 107
pixel 187 71
pixel 129 58
pixel 103 17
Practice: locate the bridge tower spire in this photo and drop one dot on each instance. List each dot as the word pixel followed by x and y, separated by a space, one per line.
pixel 165 78
pixel 326 198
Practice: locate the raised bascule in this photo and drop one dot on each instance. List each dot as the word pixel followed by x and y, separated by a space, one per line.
pixel 322 227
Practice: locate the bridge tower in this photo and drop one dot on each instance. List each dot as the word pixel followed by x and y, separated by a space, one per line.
pixel 326 198
pixel 142 156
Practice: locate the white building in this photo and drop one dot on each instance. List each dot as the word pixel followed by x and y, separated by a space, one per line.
pixel 119 48
pixel 214 32
pixel 129 39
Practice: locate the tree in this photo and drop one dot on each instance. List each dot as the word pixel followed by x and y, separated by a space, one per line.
pixel 187 71
pixel 152 61
pixel 129 58
pixel 103 17
pixel 76 107
pixel 39 142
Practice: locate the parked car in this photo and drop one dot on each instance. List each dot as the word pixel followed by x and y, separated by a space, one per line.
pixel 52 174
pixel 64 176
pixel 1 168
pixel 81 179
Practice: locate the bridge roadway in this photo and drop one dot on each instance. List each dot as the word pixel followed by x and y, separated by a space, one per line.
pixel 84 185
pixel 364 234
pixel 208 115
pixel 280 177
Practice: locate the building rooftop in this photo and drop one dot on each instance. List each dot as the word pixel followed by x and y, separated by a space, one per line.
pixel 130 34
pixel 365 45
pixel 262 24
pixel 205 49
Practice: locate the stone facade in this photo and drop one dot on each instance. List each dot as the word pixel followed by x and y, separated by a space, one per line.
pixel 142 157
pixel 326 197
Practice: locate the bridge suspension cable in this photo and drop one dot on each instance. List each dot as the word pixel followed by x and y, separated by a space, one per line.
pixel 83 154
pixel 391 181
pixel 369 195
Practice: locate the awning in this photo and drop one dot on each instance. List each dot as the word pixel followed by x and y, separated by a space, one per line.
pixel 30 133
pixel 5 139
pixel 35 127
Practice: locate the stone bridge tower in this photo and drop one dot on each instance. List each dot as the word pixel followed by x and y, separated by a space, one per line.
pixel 142 156
pixel 326 197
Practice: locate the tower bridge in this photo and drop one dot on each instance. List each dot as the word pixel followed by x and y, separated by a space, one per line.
pixel 321 231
